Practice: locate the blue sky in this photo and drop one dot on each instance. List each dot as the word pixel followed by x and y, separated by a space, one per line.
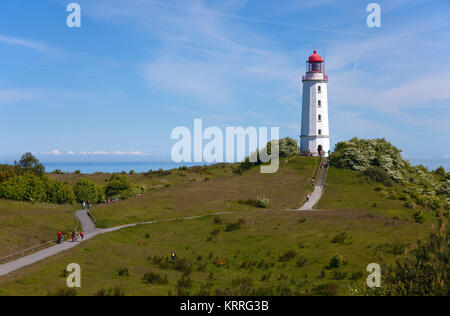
pixel 116 87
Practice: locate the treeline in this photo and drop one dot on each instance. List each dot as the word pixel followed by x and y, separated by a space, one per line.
pixel 26 180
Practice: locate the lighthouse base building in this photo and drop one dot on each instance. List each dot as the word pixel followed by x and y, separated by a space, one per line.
pixel 315 134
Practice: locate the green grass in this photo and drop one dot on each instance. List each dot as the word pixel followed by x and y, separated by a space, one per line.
pixel 285 189
pixel 24 225
pixel 347 190
pixel 252 251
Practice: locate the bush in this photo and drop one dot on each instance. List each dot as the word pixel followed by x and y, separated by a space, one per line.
pixel 262 202
pixel 155 278
pixel 425 270
pixel 360 154
pixel 337 261
pixel 59 192
pixel 328 289
pixel 288 255
pixel 86 190
pixel 234 226
pixel 377 174
pixel 6 172
pixel 119 186
pixel 117 291
pixel 418 217
pixel 27 187
pixel 342 238
pixel 123 272
pixel 357 275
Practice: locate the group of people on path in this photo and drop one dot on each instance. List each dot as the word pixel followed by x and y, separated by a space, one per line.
pixel 75 235
pixel 84 204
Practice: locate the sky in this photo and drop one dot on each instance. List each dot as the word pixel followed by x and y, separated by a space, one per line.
pixel 116 87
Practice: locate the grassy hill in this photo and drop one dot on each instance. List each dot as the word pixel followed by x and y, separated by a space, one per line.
pixel 24 225
pixel 271 252
pixel 251 251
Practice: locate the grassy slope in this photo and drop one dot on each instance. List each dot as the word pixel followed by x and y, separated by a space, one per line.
pixel 285 189
pixel 346 189
pixel 23 225
pixel 264 237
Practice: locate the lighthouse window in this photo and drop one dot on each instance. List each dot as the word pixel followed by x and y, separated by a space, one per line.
pixel 319 90
pixel 319 103
pixel 320 118
pixel 320 132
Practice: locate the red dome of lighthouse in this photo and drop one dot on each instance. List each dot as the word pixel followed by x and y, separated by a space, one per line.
pixel 315 57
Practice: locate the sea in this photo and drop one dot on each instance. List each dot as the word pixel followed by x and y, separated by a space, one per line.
pixel 112 167
pixel 139 166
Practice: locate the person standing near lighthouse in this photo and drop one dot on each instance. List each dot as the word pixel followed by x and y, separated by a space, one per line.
pixel 315 135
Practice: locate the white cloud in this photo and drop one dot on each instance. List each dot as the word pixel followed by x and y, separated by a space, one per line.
pixel 56 152
pixel 37 45
pixel 70 152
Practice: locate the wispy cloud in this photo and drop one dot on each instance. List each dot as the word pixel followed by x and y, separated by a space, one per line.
pixel 33 44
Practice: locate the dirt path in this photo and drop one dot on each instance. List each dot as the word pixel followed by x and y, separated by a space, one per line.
pixel 90 230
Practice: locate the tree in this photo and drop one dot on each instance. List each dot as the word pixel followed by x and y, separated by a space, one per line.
pixel 59 192
pixel 288 147
pixel 29 164
pixel 119 186
pixel 27 187
pixel 86 190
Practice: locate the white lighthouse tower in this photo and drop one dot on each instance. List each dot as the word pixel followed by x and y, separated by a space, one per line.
pixel 315 134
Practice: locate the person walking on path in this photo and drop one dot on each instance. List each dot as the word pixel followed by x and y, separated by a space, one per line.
pixel 59 236
pixel 307 197
pixel 82 235
pixel 83 205
pixel 89 205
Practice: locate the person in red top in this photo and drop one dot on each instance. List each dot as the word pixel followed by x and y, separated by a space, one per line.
pixel 59 235
pixel 82 235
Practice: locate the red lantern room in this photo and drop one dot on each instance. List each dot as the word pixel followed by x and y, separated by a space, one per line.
pixel 315 63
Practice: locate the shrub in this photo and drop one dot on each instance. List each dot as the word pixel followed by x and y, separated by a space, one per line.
pixel 287 147
pixel 418 217
pixel 327 289
pixel 117 291
pixel 119 186
pixel 357 275
pixel 155 278
pixel 184 283
pixel 262 202
pixel 337 261
pixel 27 187
pixel 377 174
pixel 123 272
pixel 234 226
pixel 339 275
pixel 425 270
pixel 288 255
pixel 6 172
pixel 59 192
pixel 301 262
pixel 342 238
pixel 410 204
pixel 86 190
pixel 64 292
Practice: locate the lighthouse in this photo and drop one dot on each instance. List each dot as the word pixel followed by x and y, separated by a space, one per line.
pixel 315 135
